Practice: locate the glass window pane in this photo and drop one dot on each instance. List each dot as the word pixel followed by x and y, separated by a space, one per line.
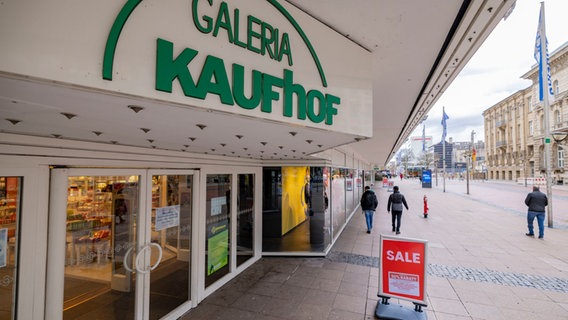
pixel 245 217
pixel 295 213
pixel 102 214
pixel 218 214
pixel 10 206
pixel 171 230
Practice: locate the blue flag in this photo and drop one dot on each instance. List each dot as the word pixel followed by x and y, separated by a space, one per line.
pixel 541 57
pixel 444 118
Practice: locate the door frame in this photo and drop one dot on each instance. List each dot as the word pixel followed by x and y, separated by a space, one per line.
pixel 185 307
pixel 32 235
pixel 57 233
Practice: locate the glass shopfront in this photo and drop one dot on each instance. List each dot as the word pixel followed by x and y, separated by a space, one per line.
pixel 10 207
pixel 218 227
pixel 304 208
pixel 128 245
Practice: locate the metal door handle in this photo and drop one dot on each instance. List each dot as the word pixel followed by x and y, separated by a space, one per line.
pixel 125 264
pixel 160 254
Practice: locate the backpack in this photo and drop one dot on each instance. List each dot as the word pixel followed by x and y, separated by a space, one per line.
pixel 368 200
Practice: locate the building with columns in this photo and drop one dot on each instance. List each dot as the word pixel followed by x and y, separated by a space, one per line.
pixel 515 128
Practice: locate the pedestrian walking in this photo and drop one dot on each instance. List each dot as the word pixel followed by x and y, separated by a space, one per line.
pixel 537 202
pixel 369 203
pixel 396 202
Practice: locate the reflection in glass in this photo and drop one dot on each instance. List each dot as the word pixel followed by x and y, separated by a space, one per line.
pixel 218 212
pixel 102 214
pixel 10 193
pixel 296 214
pixel 171 230
pixel 245 217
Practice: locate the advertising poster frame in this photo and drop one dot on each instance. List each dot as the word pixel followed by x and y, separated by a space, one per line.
pixel 402 271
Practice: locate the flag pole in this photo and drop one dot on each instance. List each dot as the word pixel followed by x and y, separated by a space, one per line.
pixel 544 88
pixel 444 150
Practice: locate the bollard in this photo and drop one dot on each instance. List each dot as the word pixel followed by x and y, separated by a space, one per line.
pixel 425 207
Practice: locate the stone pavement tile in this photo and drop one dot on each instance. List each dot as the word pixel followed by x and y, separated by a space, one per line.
pixel 279 308
pixel 363 249
pixel 474 296
pixel 223 297
pixel 330 265
pixel 353 268
pixel 353 289
pixel 276 277
pixel 557 296
pixel 349 303
pixel 204 312
pixel 290 292
pixel 444 292
pixel 483 311
pixel 306 311
pixel 545 307
pixel 448 306
pixel 371 306
pixel 451 316
pixel 239 314
pixel 339 314
pixel 330 274
pixel 252 302
pixel 326 285
pixel 301 280
pixel 318 297
pixel 356 278
pixel 264 288
pixel 530 294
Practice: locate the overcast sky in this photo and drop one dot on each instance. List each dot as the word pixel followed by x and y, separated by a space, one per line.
pixel 495 70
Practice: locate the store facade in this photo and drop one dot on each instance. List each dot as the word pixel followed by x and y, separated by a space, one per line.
pixel 123 224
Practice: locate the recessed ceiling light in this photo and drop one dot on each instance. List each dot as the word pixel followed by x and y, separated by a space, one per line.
pixel 263 143
pixel 223 144
pixel 239 136
pixel 192 138
pixel 135 108
pixel 56 135
pixel 97 133
pixel 201 126
pixel 151 140
pixel 68 115
pixel 14 121
pixel 146 130
pixel 293 133
pixel 309 141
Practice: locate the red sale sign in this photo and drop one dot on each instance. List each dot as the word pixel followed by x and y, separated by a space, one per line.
pixel 402 271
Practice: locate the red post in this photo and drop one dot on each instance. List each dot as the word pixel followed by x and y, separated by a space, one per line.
pixel 425 207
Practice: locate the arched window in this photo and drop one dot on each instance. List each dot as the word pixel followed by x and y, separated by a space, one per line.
pixel 555 88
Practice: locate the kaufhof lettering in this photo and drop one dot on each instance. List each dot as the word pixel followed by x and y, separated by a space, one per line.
pixel 260 37
pixel 310 104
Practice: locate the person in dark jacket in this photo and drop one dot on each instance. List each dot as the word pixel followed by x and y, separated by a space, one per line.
pixel 537 202
pixel 369 203
pixel 396 201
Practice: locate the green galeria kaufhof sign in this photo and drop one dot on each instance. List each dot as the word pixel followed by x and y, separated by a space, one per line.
pixel 267 62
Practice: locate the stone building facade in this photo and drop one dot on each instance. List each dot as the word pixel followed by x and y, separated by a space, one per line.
pixel 515 129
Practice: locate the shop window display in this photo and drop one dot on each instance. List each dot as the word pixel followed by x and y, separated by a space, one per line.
pixel 10 204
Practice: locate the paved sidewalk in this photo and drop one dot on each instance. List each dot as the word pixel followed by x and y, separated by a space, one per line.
pixel 480 264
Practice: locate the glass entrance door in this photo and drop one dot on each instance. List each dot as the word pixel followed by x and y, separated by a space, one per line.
pixel 170 234
pixel 127 244
pixel 101 250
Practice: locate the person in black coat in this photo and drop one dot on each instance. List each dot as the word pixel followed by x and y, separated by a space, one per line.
pixel 537 202
pixel 369 203
pixel 396 203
